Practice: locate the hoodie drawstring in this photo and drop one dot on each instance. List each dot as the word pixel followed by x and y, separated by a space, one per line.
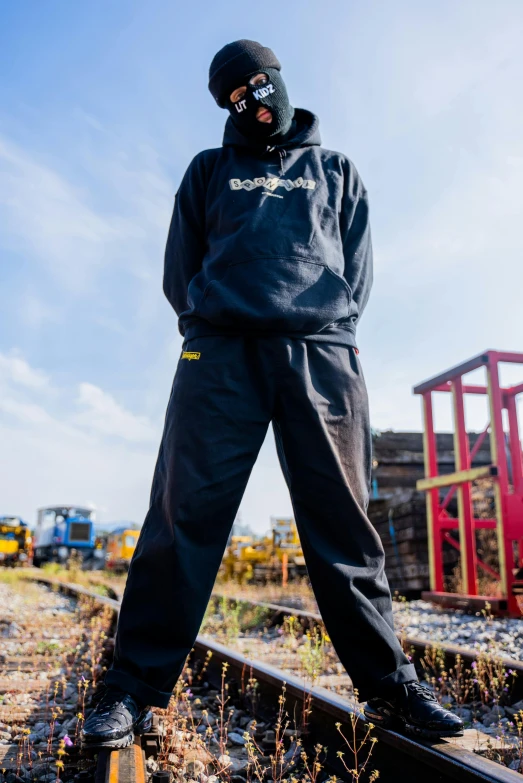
pixel 282 153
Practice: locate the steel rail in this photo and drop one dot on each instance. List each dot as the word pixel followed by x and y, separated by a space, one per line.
pixel 408 760
pixel 413 643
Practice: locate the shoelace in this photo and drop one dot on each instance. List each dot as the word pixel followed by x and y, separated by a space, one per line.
pixel 421 691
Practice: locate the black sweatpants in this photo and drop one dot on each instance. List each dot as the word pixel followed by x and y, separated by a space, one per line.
pixel 219 411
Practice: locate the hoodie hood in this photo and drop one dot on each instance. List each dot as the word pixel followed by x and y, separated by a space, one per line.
pixel 304 132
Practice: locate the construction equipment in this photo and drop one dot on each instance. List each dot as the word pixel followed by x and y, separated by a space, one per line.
pixel 241 555
pixel 287 555
pixel 15 542
pixel 60 530
pixel 283 553
pixel 505 474
pixel 121 543
pixel 271 558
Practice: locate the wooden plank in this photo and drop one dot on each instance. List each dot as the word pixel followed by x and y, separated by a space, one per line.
pixel 458 477
pixel 8 685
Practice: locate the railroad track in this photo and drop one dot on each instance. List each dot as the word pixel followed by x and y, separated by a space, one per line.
pixel 416 646
pixel 49 646
pixel 398 758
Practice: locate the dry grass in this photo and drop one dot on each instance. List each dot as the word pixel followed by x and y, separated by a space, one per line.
pixel 195 739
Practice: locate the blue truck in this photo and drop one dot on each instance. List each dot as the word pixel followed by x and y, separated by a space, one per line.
pixel 60 530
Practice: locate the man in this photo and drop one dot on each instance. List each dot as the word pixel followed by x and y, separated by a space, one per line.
pixel 268 266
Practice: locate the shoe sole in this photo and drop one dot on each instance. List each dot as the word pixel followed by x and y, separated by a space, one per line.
pixel 398 724
pixel 142 726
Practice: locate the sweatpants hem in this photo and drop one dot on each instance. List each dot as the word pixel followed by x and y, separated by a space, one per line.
pixel 140 690
pixel 405 673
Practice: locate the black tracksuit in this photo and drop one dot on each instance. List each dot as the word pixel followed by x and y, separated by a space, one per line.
pixel 269 266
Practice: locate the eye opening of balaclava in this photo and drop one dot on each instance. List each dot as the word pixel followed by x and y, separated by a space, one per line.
pixel 232 67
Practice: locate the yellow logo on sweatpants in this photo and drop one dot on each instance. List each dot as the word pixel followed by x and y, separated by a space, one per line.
pixel 191 355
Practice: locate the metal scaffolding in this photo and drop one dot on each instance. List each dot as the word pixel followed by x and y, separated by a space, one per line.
pixel 506 473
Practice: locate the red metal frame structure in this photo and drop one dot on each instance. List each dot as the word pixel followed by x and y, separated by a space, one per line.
pixel 506 472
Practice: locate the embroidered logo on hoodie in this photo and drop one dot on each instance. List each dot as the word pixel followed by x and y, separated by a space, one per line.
pixel 271 183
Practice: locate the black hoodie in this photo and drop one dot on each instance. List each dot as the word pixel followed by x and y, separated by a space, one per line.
pixel 270 240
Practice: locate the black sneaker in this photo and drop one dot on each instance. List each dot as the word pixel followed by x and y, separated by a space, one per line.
pixel 413 708
pixel 115 720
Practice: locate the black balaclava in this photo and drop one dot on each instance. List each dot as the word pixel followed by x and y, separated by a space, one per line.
pixel 231 68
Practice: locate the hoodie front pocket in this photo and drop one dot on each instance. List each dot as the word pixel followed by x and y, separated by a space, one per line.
pixel 276 294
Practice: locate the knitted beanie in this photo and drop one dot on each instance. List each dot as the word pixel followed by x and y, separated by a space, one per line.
pixel 235 61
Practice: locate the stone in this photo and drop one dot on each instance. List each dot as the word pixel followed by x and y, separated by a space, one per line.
pixel 237 766
pixel 236 739
pixel 195 768
pixel 464 713
pixel 43 767
pixel 514 709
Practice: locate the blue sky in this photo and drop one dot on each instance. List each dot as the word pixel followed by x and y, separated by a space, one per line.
pixel 102 106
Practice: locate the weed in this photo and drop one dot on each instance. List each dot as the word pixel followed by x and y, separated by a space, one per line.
pixel 312 653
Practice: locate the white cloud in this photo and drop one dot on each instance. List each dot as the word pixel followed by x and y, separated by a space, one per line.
pixel 14 369
pixel 49 465
pixel 52 454
pixel 21 398
pixel 28 413
pixel 64 228
pixel 35 312
pixel 48 216
pixel 104 415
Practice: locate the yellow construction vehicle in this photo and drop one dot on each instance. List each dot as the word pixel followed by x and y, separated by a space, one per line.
pixel 121 544
pixel 242 553
pixel 15 542
pixel 272 558
pixel 284 555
